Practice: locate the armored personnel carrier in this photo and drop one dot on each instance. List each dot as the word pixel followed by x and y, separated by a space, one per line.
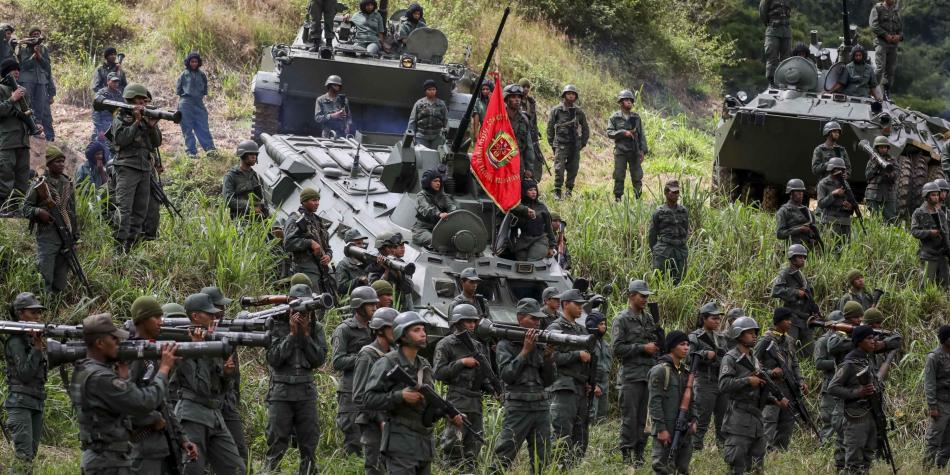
pixel 369 183
pixel 763 141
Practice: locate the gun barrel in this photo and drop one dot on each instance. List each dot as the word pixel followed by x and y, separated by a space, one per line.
pixel 234 325
pixel 366 257
pixel 249 339
pixel 248 301
pixel 102 104
pixel 516 334
pixel 60 353
pixel 49 330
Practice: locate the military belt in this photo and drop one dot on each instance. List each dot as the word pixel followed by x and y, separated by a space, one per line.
pixel 204 401
pixel 122 446
pixel 461 391
pixel 28 390
pixel 526 396
pixel 292 378
pixel 670 241
pixel 748 407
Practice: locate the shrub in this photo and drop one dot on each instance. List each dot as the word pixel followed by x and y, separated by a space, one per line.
pixel 80 27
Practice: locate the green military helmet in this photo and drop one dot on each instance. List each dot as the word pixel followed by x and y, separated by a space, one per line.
pixel 382 287
pixel 172 309
pixel 830 127
pixel 873 315
pixel 300 291
pixel 463 312
pixel 881 141
pixel 384 239
pixel 928 188
pixel 710 308
pixel 383 317
pixel 836 163
pixel 795 184
pixel 353 235
pixel 555 216
pixel 524 82
pixel 852 308
pixel 942 184
pixel 836 316
pixel 851 275
pixel 246 147
pixel 796 250
pixel 404 321
pixel 135 90
pixel 300 278
pixel 362 295
pixel 512 89
pixel 145 307
pixel 333 79
pixel 569 88
pixel 638 287
pixel 625 94
pixel 308 194
pixel 743 324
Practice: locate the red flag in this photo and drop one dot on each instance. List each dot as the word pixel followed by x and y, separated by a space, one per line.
pixel 496 160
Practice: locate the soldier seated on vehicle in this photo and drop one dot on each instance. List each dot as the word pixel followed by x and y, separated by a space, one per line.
pixel 858 78
pixel 369 27
pixel 432 206
pixel 411 22
pixel 535 238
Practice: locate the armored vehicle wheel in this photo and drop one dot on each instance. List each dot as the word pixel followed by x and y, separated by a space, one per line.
pixel 935 171
pixel 266 121
pixel 726 182
pixel 906 198
pixel 770 199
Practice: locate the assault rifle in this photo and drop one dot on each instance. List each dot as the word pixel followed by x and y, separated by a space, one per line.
pixel 682 415
pixel 877 407
pixel 175 454
pixel 158 192
pixel 515 333
pixel 660 333
pixel 849 197
pixel 389 262
pixel 56 207
pixel 770 385
pixel 794 389
pixel 484 365
pixel 943 232
pixel 400 376
pixel 815 233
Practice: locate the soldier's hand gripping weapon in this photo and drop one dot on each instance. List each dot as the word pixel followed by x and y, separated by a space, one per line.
pixel 21 108
pixel 682 415
pixel 794 390
pixel 881 422
pixel 484 365
pixel 849 197
pixel 57 207
pixel 102 104
pixel 399 375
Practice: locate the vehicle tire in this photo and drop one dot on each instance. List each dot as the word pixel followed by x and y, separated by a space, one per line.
pixel 770 199
pixel 935 171
pixel 907 199
pixel 266 120
pixel 726 182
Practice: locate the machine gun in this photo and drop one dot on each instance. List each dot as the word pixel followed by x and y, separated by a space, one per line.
pixel 515 333
pixel 400 376
pixel 59 214
pixel 682 415
pixel 660 333
pixel 389 262
pixel 131 350
pixel 849 197
pixel 794 390
pixel 102 104
pixel 815 233
pixel 22 109
pixel 484 365
pixel 158 192
pixel 881 421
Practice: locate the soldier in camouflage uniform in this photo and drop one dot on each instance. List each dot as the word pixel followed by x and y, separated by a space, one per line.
pixel 929 225
pixel 104 401
pixel 551 308
pixel 567 134
pixel 413 20
pixel 667 383
pixel 407 443
pixel 432 206
pixel 457 367
pixel 306 237
pixel 596 324
pixel 347 340
pixel 298 347
pixel 102 120
pixel 745 434
pixel 351 272
pixel 192 88
pixel 856 291
pixel 14 142
pixel 937 392
pixel 535 239
pixel 392 245
pixel 625 128
pixel 521 126
pixel 242 186
pixel 944 187
pixel 776 15
pixel 825 363
pixel 331 112
pixel 794 220
pixel 109 66
pixel 26 373
pixel 857 78
pixel 834 211
pixel 526 369
pixel 530 107
pixel 838 346
pixel 49 245
pixel 711 346
pixel 791 287
pixel 669 230
pixel 384 292
pixel 369 419
pixel 325 10
pixel 829 149
pixel 775 351
pixel 885 21
pixel 634 343
pixel 468 284
pixel 881 192
pixel 6 47
pixel 36 75
pixel 429 119
pixel 858 427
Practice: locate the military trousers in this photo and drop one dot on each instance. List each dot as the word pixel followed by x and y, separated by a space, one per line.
pixel 662 465
pixel 567 161
pixel 887 209
pixel 430 142
pixel 346 421
pixel 50 261
pixel 293 418
pixel 672 259
pixel 885 64
pixel 321 9
pixel 194 126
pixel 151 466
pixel 531 248
pixel 422 237
pixel 14 177
pixel 407 466
pixel 860 443
pixel 623 161
pixel 370 437
pixel 518 426
pixel 460 448
pixel 937 451
pixel 42 112
pixel 803 337
pixel 710 402
pixel 569 412
pixel 937 271
pixel 633 417
pixel 777 48
pixel 133 189
pixel 600 406
pixel 152 217
pixel 215 448
pixel 744 454
pixel 826 407
pixel 779 425
pixel 25 427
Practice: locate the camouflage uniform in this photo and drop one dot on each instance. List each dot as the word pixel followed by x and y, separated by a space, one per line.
pixel 709 401
pixel 778 33
pixel 859 296
pixel 932 250
pixel 406 27
pixel 301 228
pixel 885 20
pixel 881 192
pixel 369 419
pixel 839 345
pixel 351 273
pixel 150 451
pixel 822 154
pixel 102 120
pixel 569 404
pixel 529 106
pixel 479 302
pixel 534 236
pixel 627 150
pixel 530 155
pixel 52 264
pixel 831 210
pixel 667 383
pixel 669 230
pixel 465 388
pixel 858 428
pixel 567 134
pixel 628 334
pixel 192 88
pixel 937 392
pixel 347 340
pixel 26 373
pixel 239 188
pixel 100 79
pixel 858 79
pixel 133 144
pixel 429 120
pixel 789 218
pixel 36 76
pixel 779 422
pixel 292 395
pixel 825 363
pixel 785 287
pixel 745 445
pixel 600 405
pixel 6 47
pixel 326 106
pixel 325 9
pixel 14 151
pixel 428 206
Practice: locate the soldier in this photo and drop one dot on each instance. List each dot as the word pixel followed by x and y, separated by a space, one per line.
pixel 521 126
pixel 929 225
pixel 204 383
pixel 407 444
pixel 347 340
pixel 856 291
pixel 369 419
pixel 192 88
pixel 791 287
pixel 794 220
pixel 839 345
pixel 134 137
pixel 834 210
pixel 6 47
pixel 551 308
pixel 468 284
pixel 825 363
pixel 567 134
pixel 561 252
pixel 351 272
pixel 885 22
pixel 298 347
pixel 745 442
pixel 667 385
pixel 457 367
pixel 36 75
pixel 857 78
pixel 392 245
pixel 429 119
pixel 944 187
pixel 14 142
pixel 332 110
pixel 829 149
pixel 432 206
pixel 94 170
pixel 535 236
pixel 326 10
pixel 152 432
pixel 26 373
pixel 413 20
pixel 774 352
pixel 596 324
pixel 481 105
pixel 936 385
pixel 384 292
pixel 710 346
pixel 306 237
pixel 242 186
pixel 630 145
pixel 49 245
pixel 102 120
pixel 881 192
pixel 669 230
pixel 530 107
pixel 369 28
pixel 858 427
pixel 634 343
pixel 526 370
pixel 887 340
pixel 775 14
pixel 109 66
pixel 731 316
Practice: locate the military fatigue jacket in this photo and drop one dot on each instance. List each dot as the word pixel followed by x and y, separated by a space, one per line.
pixel 861 297
pixel 789 218
pixel 775 14
pixel 858 79
pixel 428 206
pixel 104 117
pixel 937 377
pixel 365 360
pixel 669 227
pixel 101 78
pixel 572 373
pixel 6 51
pixel 406 27
pixel 831 207
pixel 845 385
pixel 429 119
pixel 203 384
pixel 347 340
pixel 326 106
pixel 367 28
pixel 291 360
pixel 238 188
pixel 62 189
pixel 618 124
pixel 824 360
pixel 348 274
pixel 301 228
pixel 774 350
pixel 133 141
pixel 604 360
pixel 192 85
pixel 667 383
pixel 34 69
pixel 151 443
pixel 701 342
pixel 568 126
pixel 839 345
pixel 26 372
pixel 921 223
pixel 744 415
pixel 885 20
pixel 13 131
pixel 785 287
pixel 629 333
pixel 530 107
pixel 525 377
pixel 822 154
pixel 465 385
pixel 539 226
pixel 521 126
pixel 881 181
